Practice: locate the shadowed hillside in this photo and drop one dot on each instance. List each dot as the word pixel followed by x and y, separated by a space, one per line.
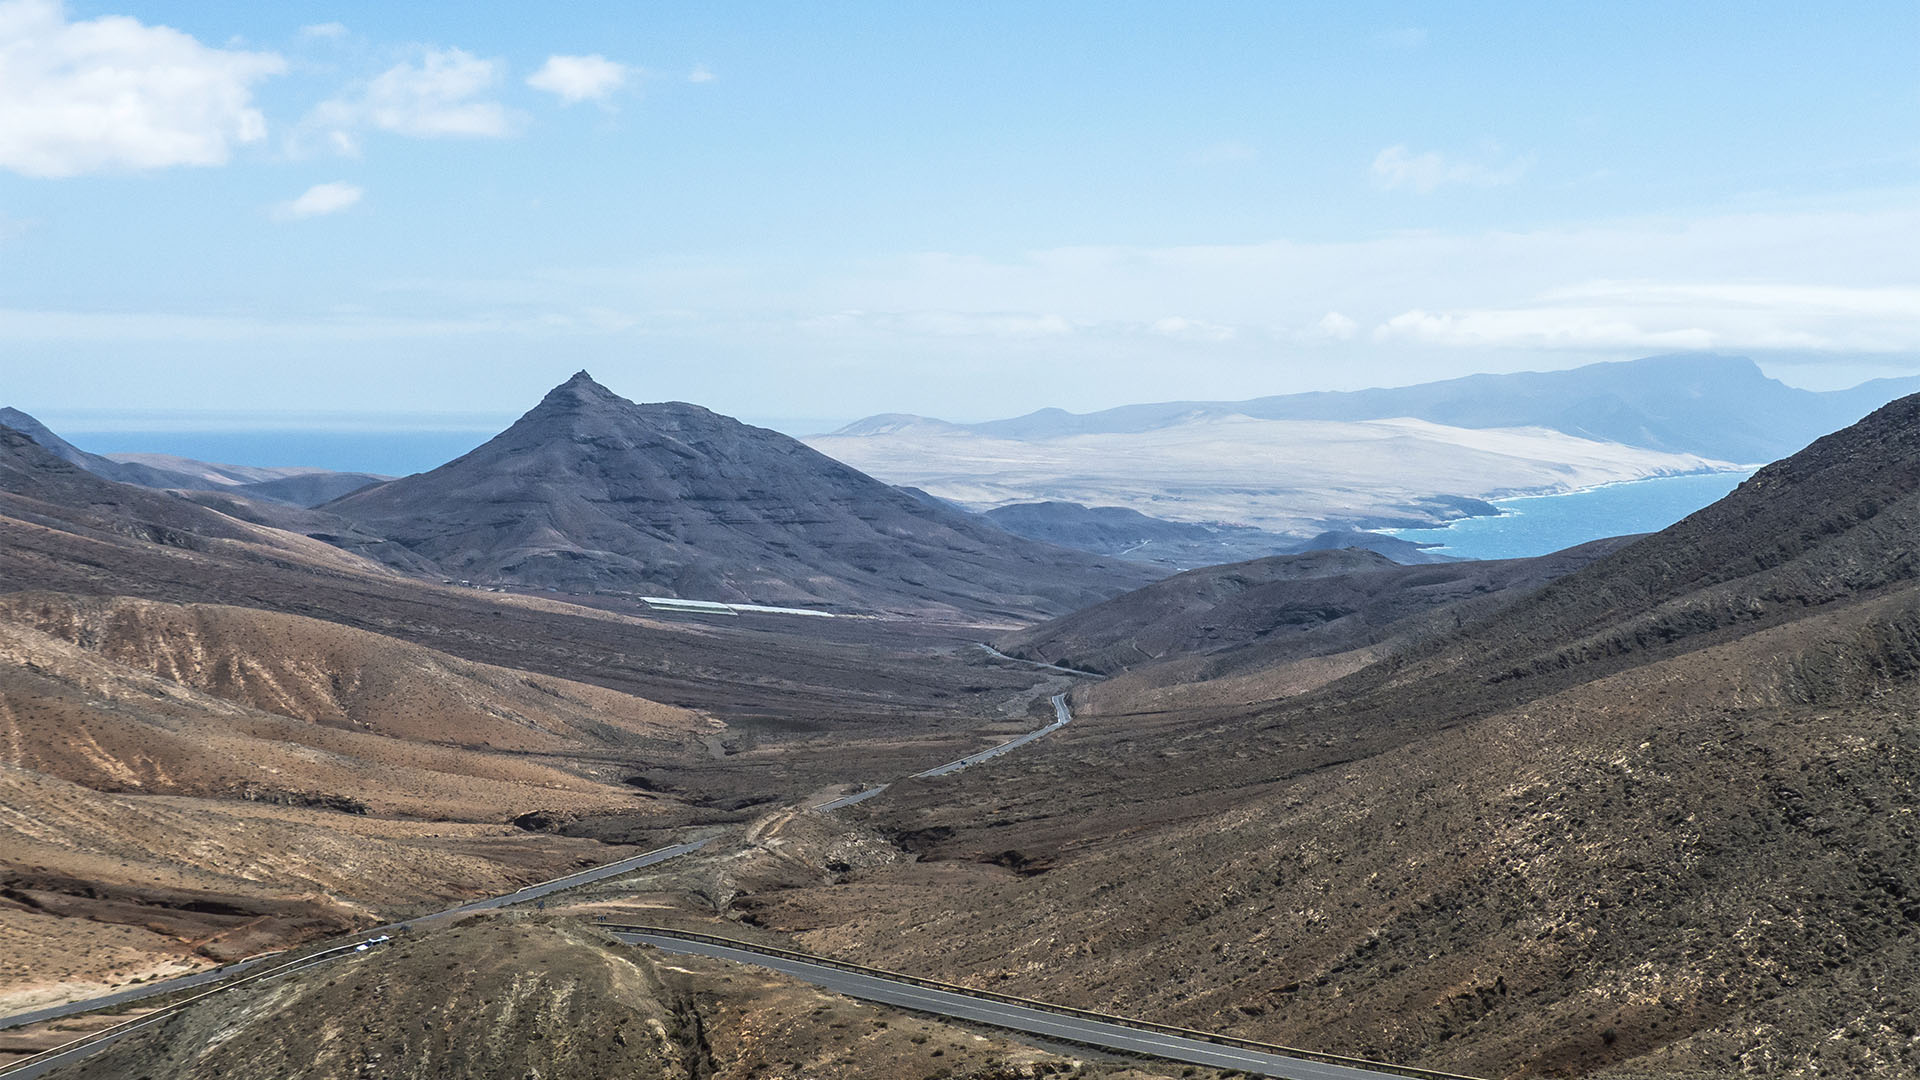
pixel 590 491
pixel 1649 819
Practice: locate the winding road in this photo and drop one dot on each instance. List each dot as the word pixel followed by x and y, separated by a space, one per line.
pixel 1012 1017
pixel 1062 716
pixel 219 974
pixel 997 654
pixel 953 1003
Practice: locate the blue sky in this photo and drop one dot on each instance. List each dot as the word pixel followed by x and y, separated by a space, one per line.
pixel 969 210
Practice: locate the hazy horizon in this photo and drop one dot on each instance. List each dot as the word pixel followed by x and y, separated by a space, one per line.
pixel 969 212
pixel 273 418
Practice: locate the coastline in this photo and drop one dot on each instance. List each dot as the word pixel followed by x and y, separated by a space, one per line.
pixel 1498 499
pixel 1503 537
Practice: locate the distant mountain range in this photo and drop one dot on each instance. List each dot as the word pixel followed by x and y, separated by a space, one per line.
pixel 1720 407
pixel 590 491
pixel 1304 465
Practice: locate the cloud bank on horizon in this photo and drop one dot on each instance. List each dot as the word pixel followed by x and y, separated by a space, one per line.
pixel 957 210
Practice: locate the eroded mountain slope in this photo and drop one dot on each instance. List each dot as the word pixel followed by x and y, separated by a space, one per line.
pixel 543 998
pixel 1281 608
pixel 97 889
pixel 1681 844
pixel 590 491
pixel 349 679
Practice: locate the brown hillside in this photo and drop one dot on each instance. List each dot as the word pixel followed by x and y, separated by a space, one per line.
pixel 1679 845
pixel 349 679
pixel 97 890
pixel 524 997
pixel 68 712
pixel 1285 607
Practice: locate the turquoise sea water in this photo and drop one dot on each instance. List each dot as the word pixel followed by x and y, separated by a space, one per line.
pixel 1536 525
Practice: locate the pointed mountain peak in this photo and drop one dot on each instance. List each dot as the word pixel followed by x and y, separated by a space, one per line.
pixel 577 394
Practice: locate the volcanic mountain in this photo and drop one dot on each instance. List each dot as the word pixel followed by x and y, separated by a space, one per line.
pixel 592 492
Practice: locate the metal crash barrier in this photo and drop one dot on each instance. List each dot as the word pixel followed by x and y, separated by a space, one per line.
pixel 1044 1006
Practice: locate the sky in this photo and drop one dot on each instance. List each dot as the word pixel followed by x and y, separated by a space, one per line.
pixel 803 214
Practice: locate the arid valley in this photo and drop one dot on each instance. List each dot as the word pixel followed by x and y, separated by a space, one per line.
pixel 1490 818
pixel 1324 541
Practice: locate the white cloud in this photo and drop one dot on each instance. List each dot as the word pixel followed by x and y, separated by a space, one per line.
pixel 1660 315
pixel 1182 328
pixel 1901 302
pixel 970 336
pixel 580 78
pixel 1397 167
pixel 443 95
pixel 1336 327
pixel 324 30
pixel 1576 328
pixel 320 199
pixel 1833 281
pixel 700 74
pixel 114 93
pixel 1011 325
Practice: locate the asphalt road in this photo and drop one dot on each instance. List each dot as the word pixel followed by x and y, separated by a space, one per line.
pixel 991 651
pixel 214 975
pixel 45 1065
pixel 535 892
pixel 1019 1017
pixel 184 982
pixel 520 896
pixel 849 800
pixel 1063 716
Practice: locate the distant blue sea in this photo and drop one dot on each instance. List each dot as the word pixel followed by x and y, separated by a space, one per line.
pixel 395 450
pixel 391 453
pixel 1538 524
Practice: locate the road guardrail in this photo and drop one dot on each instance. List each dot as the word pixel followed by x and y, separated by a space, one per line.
pixel 129 1025
pixel 1045 1006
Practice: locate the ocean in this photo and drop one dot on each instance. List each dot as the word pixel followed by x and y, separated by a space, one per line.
pixel 1538 524
pixel 1532 525
pixel 389 453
